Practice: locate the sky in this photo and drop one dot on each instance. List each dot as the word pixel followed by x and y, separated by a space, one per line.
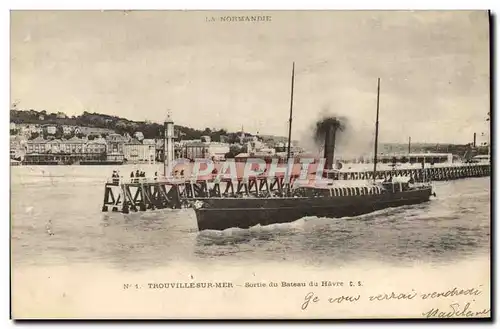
pixel 433 66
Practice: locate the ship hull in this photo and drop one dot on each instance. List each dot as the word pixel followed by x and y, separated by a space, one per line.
pixel 220 213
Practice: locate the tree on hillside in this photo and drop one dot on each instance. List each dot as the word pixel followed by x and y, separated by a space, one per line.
pixel 34 135
pixel 234 150
pixel 59 132
pixel 68 136
pixel 216 134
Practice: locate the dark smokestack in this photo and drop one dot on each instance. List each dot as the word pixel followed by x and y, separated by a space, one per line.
pixel 474 144
pixel 329 147
pixel 326 132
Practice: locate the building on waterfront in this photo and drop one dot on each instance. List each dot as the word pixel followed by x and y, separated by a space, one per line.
pixel 159 149
pixel 194 150
pixel 63 158
pixel 255 147
pixel 71 151
pixel 37 145
pixel 54 146
pixel 131 150
pixel 199 150
pixel 115 143
pixel 96 146
pixel 245 138
pixel 135 152
pixel 115 157
pixel 73 145
pixel 150 149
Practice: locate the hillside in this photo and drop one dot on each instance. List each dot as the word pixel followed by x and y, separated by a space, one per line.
pixel 118 124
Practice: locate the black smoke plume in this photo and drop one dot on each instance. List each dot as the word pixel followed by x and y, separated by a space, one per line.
pixel 337 124
pixel 326 132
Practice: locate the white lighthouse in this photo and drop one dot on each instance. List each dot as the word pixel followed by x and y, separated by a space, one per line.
pixel 168 146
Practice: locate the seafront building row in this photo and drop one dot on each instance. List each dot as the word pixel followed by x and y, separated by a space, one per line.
pixel 103 146
pixel 114 149
pixel 51 144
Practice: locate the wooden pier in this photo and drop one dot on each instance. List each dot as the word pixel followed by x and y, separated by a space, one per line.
pixel 140 194
pixel 437 173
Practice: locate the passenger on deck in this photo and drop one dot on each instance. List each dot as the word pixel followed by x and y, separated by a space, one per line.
pixel 137 173
pixel 116 177
pixel 132 174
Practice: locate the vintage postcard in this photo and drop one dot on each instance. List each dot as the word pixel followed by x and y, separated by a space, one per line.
pixel 250 164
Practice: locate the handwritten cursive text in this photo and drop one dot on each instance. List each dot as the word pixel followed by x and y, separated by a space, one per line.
pixel 455 310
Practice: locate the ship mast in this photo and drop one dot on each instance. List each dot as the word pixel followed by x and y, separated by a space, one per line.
pixel 376 133
pixel 290 121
